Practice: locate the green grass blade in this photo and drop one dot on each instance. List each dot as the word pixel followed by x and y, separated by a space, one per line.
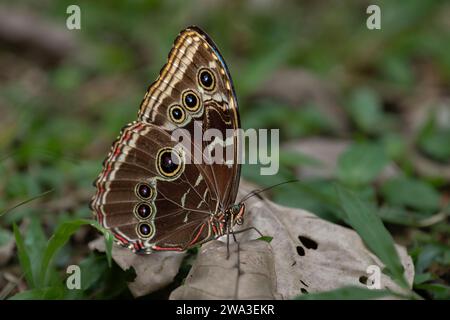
pixel 52 293
pixel 363 218
pixel 60 237
pixel 346 293
pixel 25 202
pixel 108 241
pixel 35 242
pixel 24 258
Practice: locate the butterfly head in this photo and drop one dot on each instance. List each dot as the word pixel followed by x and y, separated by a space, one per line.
pixel 237 213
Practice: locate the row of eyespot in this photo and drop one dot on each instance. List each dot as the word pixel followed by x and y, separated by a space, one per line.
pixel 143 210
pixel 190 99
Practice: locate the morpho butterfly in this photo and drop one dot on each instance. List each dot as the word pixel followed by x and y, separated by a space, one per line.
pixel 147 195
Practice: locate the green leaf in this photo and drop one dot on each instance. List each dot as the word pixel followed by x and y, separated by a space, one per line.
pixel 437 145
pixel 267 239
pixel 363 218
pixel 435 140
pixel 109 240
pixel 51 293
pixel 92 269
pixel 347 293
pixel 365 110
pixel 24 258
pixel 35 242
pixel 360 164
pixel 394 144
pixel 439 291
pixel 61 235
pixel 428 254
pixel 397 70
pixel 422 277
pixel 410 192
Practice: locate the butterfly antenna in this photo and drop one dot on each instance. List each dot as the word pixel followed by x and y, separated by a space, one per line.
pixel 258 191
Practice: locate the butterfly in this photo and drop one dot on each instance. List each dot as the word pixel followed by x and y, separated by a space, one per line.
pixel 148 195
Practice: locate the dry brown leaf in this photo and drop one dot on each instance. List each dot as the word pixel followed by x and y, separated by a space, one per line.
pixel 153 272
pixel 307 255
pixel 310 255
pixel 249 273
pixel 326 257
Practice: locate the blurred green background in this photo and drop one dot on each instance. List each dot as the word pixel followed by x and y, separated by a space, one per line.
pixel 369 109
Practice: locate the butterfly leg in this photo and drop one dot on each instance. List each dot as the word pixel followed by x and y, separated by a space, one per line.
pixel 228 243
pixel 247 229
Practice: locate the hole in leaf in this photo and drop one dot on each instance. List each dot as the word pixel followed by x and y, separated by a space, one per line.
pixel 300 251
pixel 304 291
pixel 308 243
pixel 363 280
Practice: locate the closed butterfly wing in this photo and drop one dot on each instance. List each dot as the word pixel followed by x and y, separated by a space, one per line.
pixel 150 194
pixel 196 82
pixel 141 194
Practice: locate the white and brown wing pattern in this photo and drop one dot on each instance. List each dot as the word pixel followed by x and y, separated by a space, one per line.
pixel 142 194
pixel 147 194
pixel 195 85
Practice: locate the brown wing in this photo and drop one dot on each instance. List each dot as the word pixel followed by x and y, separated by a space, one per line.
pixel 193 54
pixel 177 215
pixel 135 193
